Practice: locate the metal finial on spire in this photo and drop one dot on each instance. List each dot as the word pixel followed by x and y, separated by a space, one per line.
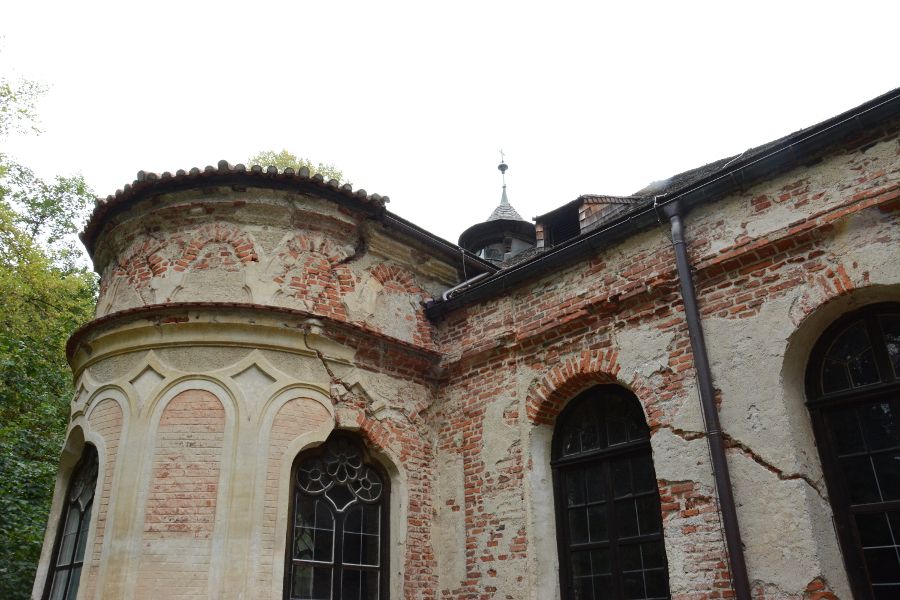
pixel 503 167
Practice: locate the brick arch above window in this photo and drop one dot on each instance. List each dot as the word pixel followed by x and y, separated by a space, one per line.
pixel 563 380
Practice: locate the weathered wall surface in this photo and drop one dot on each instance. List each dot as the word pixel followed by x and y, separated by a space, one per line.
pixel 180 513
pixel 216 407
pixel 269 248
pixel 766 262
pixel 325 329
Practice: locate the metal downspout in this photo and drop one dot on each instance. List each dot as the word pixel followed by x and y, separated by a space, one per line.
pixel 735 546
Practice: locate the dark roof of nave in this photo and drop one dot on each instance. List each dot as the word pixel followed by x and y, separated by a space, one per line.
pixel 701 185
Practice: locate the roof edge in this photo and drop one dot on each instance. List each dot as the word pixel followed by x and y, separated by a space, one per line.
pixel 224 174
pixel 789 152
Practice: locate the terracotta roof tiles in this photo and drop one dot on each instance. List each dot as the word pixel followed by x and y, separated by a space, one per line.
pixel 222 174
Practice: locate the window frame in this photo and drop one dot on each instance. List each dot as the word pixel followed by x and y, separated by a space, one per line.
pixel 89 453
pixel 603 457
pixel 337 564
pixel 820 404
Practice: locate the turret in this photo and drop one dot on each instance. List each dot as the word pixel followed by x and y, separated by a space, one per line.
pixel 504 235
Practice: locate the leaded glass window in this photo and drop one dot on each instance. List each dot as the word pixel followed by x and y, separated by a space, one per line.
pixel 68 554
pixel 609 523
pixel 853 390
pixel 339 525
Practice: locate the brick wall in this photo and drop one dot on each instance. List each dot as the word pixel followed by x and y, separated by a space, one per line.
pixel 460 406
pixel 535 347
pixel 180 513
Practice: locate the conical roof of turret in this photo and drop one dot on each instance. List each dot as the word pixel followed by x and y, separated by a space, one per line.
pixel 505 210
pixel 505 222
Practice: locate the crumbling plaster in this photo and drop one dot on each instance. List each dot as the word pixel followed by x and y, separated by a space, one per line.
pixel 253 364
pixel 449 407
pixel 305 253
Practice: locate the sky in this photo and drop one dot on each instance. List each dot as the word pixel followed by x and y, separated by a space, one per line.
pixel 414 100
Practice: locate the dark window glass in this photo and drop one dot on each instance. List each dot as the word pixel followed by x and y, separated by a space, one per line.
pixel 339 525
pixel 68 557
pixel 850 361
pixel 854 398
pixel 595 426
pixel 609 521
pixel 890 326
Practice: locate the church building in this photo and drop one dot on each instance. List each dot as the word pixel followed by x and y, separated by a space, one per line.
pixel 692 392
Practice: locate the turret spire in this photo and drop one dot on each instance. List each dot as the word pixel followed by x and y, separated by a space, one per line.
pixel 505 233
pixel 503 167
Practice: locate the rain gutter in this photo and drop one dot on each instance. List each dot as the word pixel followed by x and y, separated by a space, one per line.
pixel 801 148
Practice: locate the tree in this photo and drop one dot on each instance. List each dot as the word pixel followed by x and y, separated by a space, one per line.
pixel 45 295
pixel 285 159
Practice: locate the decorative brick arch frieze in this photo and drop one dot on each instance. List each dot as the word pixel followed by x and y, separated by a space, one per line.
pixel 217 233
pixel 142 261
pixel 308 242
pixel 560 383
pixel 135 267
pixel 310 270
pixel 396 280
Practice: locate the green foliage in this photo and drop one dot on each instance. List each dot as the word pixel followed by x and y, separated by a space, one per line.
pixel 17 106
pixel 285 159
pixel 45 296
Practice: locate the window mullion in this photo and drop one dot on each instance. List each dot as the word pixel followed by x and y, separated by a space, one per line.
pixel 71 558
pixel 879 349
pixel 613 531
pixel 338 558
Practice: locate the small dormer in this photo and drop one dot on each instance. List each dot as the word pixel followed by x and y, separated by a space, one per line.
pixel 581 215
pixel 504 235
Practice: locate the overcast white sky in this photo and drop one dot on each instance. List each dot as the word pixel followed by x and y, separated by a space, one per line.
pixel 414 99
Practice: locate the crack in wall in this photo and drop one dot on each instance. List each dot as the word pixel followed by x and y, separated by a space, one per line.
pixel 335 380
pixel 733 444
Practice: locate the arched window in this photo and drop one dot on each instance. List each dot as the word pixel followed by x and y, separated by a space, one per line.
pixel 853 393
pixel 338 533
pixel 71 540
pixel 608 520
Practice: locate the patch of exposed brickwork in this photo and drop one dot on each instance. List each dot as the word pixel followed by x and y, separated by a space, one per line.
pixel 693 516
pixel 242 248
pixel 397 280
pixel 559 333
pixel 311 271
pixel 179 517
